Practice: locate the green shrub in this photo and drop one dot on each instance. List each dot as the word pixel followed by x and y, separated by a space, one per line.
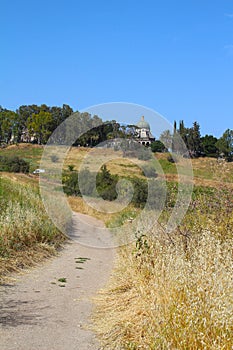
pixel 172 159
pixel 78 184
pixel 87 180
pixel 70 185
pixel 140 192
pixel 106 184
pixel 71 167
pixel 14 164
pixel 158 146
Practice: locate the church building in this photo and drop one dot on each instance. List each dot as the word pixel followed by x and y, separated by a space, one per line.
pixel 142 133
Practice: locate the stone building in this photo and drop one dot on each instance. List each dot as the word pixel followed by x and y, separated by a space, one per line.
pixel 142 133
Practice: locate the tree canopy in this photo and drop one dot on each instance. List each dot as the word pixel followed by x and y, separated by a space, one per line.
pixel 35 124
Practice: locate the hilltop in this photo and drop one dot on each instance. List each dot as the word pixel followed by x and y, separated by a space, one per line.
pixel 207 171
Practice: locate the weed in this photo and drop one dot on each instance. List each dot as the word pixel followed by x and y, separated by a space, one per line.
pixel 81 260
pixel 62 279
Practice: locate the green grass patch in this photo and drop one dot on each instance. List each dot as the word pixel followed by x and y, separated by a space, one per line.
pixel 168 167
pixel 204 173
pixel 29 153
pixel 128 165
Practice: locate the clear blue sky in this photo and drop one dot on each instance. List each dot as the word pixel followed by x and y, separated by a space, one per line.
pixel 175 57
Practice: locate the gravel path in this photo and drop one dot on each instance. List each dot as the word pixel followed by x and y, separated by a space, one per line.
pixel 37 312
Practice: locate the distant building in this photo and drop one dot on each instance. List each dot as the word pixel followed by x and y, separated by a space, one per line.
pixel 143 134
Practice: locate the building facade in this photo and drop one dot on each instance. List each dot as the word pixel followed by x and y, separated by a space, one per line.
pixel 143 134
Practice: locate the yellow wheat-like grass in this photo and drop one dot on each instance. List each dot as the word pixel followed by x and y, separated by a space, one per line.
pixel 166 297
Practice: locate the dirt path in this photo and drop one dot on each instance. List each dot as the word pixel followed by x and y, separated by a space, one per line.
pixel 37 312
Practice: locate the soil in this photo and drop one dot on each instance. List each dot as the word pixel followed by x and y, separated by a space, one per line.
pixel 37 311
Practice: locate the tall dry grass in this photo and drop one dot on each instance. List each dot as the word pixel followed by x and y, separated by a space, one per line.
pixel 173 292
pixel 26 232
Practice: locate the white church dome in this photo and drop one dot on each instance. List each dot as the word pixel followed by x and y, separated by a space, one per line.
pixel 142 124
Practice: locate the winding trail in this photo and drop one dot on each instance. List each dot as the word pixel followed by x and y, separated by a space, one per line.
pixel 37 312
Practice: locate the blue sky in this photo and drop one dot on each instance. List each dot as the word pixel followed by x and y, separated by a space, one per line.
pixel 175 57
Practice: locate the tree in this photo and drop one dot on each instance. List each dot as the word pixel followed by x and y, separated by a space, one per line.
pixel 71 184
pixel 183 131
pixel 140 193
pixel 166 138
pixel 60 114
pixel 40 125
pixel 86 130
pixel 194 140
pixel 106 184
pixel 24 113
pixel 208 145
pixel 8 126
pixel 189 137
pixel 158 146
pixel 225 144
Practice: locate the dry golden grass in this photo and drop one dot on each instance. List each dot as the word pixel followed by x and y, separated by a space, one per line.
pixel 212 169
pixel 207 171
pixel 176 291
pixel 79 205
pixel 94 158
pixel 117 218
pixel 201 181
pixel 27 234
pixel 20 260
pixel 75 156
pixel 162 300
pixel 23 179
pixel 23 146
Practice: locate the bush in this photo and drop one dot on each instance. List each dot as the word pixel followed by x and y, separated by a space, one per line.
pixel 71 167
pixel 172 159
pixel 78 184
pixel 106 184
pixel 14 165
pixel 158 146
pixel 140 192
pixel 70 184
pixel 87 182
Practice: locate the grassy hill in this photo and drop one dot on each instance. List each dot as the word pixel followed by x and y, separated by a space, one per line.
pixel 30 153
pixel 172 290
pixel 168 290
pixel 206 170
